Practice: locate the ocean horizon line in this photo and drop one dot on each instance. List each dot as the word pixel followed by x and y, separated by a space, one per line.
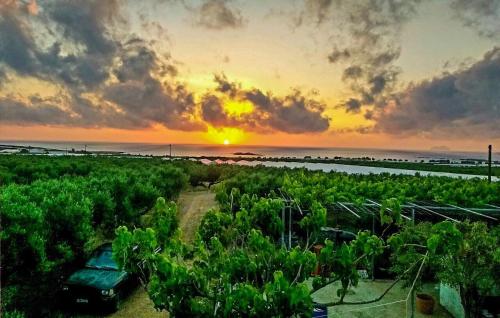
pixel 208 145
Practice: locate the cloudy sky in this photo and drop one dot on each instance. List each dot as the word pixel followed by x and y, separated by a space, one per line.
pixel 364 73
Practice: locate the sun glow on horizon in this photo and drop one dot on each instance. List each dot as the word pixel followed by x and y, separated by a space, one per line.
pixel 225 135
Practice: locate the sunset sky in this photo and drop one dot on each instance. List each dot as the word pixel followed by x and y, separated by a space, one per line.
pixel 366 73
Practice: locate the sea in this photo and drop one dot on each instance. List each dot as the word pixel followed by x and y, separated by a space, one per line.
pixel 193 150
pixel 265 154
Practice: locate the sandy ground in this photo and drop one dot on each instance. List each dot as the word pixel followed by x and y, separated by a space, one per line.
pixel 138 305
pixel 192 206
pixel 393 305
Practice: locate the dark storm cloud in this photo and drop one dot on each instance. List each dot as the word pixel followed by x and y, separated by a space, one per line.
pixel 226 87
pixel 63 111
pixel 18 112
pixel 293 113
pixel 315 10
pixel 463 103
pixel 94 54
pixel 87 23
pixel 154 103
pixel 296 114
pixel 481 15
pixel 79 23
pixel 3 75
pixel 109 79
pixel 365 42
pixel 17 47
pixel 139 62
pixel 366 39
pixel 212 111
pixel 140 93
pixel 217 15
pixel 352 105
pixel 352 72
pixel 338 55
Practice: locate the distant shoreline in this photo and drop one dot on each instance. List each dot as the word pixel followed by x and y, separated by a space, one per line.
pixel 246 154
pixel 461 166
pixel 45 150
pixel 442 150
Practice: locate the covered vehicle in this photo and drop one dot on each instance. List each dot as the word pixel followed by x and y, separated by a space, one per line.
pixel 100 283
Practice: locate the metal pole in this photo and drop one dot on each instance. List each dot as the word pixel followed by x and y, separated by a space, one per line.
pixel 489 163
pixel 412 302
pixel 232 198
pixel 373 267
pixel 345 207
pixel 170 146
pixel 373 257
pixel 283 228
pixel 373 223
pixel 434 212
pixel 289 227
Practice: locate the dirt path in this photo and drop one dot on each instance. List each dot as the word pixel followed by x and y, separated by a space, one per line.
pixel 192 206
pixel 138 305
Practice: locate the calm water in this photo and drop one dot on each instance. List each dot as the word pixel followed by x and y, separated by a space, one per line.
pixel 229 151
pixel 350 169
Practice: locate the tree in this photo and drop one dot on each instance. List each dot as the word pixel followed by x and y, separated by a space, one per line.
pixel 245 281
pixel 313 222
pixel 463 255
pixel 218 277
pixel 341 263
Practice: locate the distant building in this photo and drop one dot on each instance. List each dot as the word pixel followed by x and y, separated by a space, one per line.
pixel 468 162
pixel 441 161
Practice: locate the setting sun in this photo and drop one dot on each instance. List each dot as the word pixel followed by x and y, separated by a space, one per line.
pixel 225 135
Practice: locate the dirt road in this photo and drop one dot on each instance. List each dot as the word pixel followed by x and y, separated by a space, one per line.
pixel 192 205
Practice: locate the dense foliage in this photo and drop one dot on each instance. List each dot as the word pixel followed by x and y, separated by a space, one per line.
pixel 307 187
pixel 232 270
pixel 463 255
pixel 54 211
